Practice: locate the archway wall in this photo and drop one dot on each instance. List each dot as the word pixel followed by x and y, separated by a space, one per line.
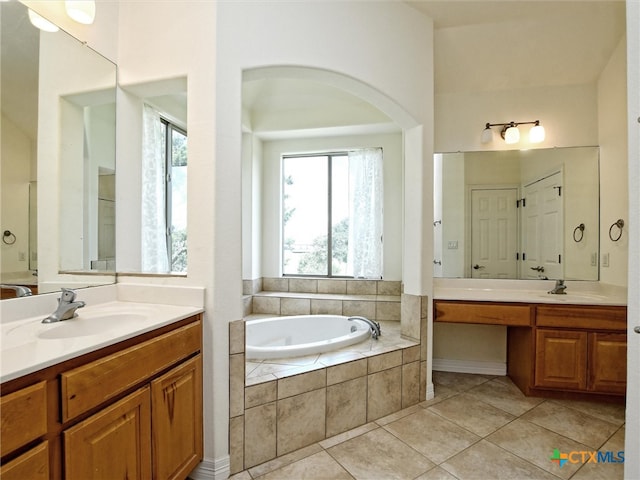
pixel 355 46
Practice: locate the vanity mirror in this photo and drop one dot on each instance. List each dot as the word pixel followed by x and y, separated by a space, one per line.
pixel 58 157
pixel 526 214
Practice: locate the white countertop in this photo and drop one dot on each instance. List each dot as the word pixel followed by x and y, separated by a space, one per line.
pixel 28 345
pixel 528 291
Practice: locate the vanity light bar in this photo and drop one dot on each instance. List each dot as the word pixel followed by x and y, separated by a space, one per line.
pixel 511 134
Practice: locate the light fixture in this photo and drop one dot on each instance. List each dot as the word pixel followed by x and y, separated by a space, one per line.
pixel 511 133
pixel 536 134
pixel 41 23
pixel 487 134
pixel 82 11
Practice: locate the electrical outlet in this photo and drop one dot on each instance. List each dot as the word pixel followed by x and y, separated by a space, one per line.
pixel 21 256
pixel 452 244
pixel 605 260
pixel 594 259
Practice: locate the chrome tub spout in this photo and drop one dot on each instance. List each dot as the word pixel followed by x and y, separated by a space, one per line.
pixel 375 326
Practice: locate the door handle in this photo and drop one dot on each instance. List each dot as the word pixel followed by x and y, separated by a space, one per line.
pixel 636 329
pixel 538 269
pixel 478 267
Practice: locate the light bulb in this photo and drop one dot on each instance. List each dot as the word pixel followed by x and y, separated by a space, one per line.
pixel 512 135
pixel 82 11
pixel 41 23
pixel 536 135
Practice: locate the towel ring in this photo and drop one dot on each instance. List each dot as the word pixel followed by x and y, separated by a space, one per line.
pixel 8 235
pixel 619 223
pixel 579 228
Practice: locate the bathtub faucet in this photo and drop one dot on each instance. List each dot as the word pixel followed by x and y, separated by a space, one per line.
pixel 375 326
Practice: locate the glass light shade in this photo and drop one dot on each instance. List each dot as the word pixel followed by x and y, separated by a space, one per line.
pixel 41 23
pixel 512 135
pixel 536 135
pixel 487 135
pixel 82 11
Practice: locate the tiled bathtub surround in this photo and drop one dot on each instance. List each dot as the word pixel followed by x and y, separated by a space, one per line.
pixel 293 403
pixel 374 299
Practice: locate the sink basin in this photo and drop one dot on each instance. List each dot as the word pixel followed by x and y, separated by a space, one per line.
pixel 94 325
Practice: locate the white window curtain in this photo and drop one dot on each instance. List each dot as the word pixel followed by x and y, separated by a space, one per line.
pixel 365 213
pixel 154 256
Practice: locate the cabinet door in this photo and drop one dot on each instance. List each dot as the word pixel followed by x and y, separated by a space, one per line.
pixel 176 411
pixel 561 359
pixel 608 362
pixel 33 465
pixel 113 443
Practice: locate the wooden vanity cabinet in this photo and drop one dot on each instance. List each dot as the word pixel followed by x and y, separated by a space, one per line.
pixel 581 348
pixel 132 410
pixel 554 349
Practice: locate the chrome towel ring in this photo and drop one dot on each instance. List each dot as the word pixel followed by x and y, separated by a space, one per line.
pixel 620 224
pixel 578 232
pixel 8 237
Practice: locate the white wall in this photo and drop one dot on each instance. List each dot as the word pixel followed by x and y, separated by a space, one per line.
pixel 158 42
pixel 612 104
pixel 632 436
pixel 271 195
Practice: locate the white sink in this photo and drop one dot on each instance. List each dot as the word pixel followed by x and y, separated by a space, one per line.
pixel 93 325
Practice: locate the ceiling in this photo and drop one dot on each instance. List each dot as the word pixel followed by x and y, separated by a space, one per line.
pixel 479 46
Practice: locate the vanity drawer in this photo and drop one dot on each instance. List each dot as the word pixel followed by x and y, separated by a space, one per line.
pixel 578 316
pixel 482 313
pixel 24 416
pixel 90 385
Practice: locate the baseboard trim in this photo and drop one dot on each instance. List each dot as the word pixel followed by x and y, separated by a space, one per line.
pixel 431 393
pixel 211 469
pixel 469 366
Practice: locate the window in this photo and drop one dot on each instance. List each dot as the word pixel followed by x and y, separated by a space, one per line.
pixel 332 214
pixel 164 195
pixel 175 155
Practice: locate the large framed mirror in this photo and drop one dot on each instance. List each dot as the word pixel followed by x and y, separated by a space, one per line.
pixel 58 158
pixel 518 214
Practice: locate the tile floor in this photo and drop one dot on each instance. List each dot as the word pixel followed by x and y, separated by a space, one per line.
pixel 476 427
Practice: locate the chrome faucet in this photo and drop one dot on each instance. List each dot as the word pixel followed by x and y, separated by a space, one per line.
pixel 559 289
pixel 67 307
pixel 375 326
pixel 20 290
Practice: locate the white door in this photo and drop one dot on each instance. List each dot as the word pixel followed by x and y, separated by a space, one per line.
pixel 542 228
pixel 494 233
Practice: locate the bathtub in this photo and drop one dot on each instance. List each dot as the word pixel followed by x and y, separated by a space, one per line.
pixel 293 336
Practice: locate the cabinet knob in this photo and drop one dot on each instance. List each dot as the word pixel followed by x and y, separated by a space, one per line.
pixel 636 329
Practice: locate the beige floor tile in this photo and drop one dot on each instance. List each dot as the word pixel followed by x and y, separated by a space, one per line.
pixel 571 423
pixel 343 437
pixel 609 468
pixel 433 436
pixel 505 396
pixel 380 455
pixel 437 473
pixel 536 444
pixel 484 460
pixel 609 412
pixel 315 467
pixel 459 381
pixel 284 460
pixel 472 414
